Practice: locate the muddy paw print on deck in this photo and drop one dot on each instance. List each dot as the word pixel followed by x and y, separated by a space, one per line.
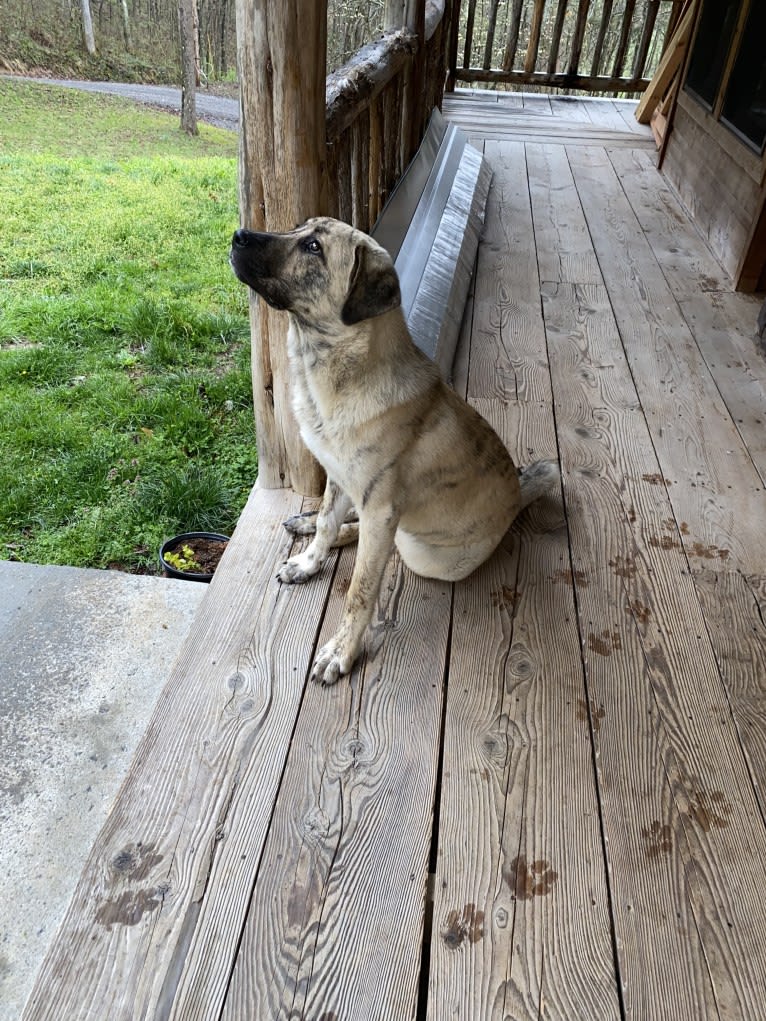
pixel 465 925
pixel 709 809
pixel 504 598
pixel 623 567
pixel 530 879
pixel 605 642
pixel 590 711
pixel 657 839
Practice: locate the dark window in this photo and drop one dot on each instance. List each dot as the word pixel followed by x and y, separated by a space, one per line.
pixel 711 47
pixel 744 108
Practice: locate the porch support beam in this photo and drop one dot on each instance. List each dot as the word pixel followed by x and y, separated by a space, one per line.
pixel 282 181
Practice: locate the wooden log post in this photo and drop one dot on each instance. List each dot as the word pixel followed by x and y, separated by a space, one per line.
pixel 282 181
pixel 411 14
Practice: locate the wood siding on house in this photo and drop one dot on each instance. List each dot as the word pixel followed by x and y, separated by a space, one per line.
pixel 720 180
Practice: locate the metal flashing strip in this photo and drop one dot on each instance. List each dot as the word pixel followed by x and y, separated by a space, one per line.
pixel 416 247
pixel 396 217
pixel 431 226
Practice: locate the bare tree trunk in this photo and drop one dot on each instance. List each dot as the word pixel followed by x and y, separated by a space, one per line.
pixel 87 28
pixel 282 180
pixel 126 26
pixel 187 23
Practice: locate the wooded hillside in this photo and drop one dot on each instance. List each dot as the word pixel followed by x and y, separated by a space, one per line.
pixel 139 39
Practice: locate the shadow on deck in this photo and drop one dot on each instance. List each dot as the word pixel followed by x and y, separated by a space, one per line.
pixel 540 792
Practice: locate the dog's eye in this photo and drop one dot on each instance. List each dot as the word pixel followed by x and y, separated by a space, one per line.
pixel 312 245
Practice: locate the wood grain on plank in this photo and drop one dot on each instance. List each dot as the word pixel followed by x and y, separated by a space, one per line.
pixel 532 126
pixel 687 263
pixel 722 325
pixel 564 249
pixel 518 864
pixel 520 904
pixel 508 338
pixel 336 923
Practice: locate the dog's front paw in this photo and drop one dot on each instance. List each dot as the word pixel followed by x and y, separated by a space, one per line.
pixel 301 524
pixel 331 663
pixel 298 569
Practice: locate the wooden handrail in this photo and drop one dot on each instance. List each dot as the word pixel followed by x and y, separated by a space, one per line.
pixel 352 88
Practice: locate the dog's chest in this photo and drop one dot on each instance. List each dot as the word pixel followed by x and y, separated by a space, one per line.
pixel 319 430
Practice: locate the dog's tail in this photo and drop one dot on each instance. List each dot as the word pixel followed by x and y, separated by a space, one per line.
pixel 537 479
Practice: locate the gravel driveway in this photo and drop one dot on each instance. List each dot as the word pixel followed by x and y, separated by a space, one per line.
pixel 217 110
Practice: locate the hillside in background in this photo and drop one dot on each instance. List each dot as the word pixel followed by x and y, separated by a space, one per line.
pixel 138 40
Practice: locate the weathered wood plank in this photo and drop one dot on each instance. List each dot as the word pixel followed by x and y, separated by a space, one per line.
pixel 677 799
pixel 564 249
pixel 696 440
pixel 195 808
pixel 601 83
pixel 520 900
pixel 618 116
pixel 719 183
pixel 686 262
pixel 336 921
pixel 536 868
pixel 722 324
pixel 530 126
pixel 702 465
pixel 507 340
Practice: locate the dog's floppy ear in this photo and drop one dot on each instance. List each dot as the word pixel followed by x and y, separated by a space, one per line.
pixel 374 287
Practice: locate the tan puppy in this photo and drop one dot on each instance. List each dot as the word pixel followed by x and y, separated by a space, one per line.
pixel 422 468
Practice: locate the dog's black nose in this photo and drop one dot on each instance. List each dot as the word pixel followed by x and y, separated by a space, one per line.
pixel 240 239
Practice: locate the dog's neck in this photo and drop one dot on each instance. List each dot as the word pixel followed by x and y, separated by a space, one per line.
pixel 341 350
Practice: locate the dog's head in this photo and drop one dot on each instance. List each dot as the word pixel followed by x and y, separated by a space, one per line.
pixel 324 272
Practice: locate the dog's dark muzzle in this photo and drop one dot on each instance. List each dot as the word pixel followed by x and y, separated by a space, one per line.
pixel 257 260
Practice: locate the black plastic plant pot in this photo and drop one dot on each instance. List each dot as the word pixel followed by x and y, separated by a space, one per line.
pixel 206 548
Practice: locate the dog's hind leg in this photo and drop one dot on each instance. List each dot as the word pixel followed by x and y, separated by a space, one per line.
pixel 329 523
pixel 306 524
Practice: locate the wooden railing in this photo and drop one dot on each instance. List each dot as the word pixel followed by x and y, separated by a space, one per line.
pixel 378 105
pixel 589 45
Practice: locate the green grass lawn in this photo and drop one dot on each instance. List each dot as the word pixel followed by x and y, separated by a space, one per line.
pixel 125 388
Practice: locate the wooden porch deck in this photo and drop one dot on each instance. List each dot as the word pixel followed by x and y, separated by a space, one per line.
pixel 541 794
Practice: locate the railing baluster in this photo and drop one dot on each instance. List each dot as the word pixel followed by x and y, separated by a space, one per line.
pixel 533 46
pixel 579 35
pixel 339 169
pixel 512 41
pixel 558 25
pixel 622 46
pixel 491 23
pixel 606 14
pixel 646 38
pixel 613 47
pixel 469 33
pixel 360 172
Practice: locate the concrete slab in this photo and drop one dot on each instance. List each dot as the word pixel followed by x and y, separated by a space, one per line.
pixel 83 657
